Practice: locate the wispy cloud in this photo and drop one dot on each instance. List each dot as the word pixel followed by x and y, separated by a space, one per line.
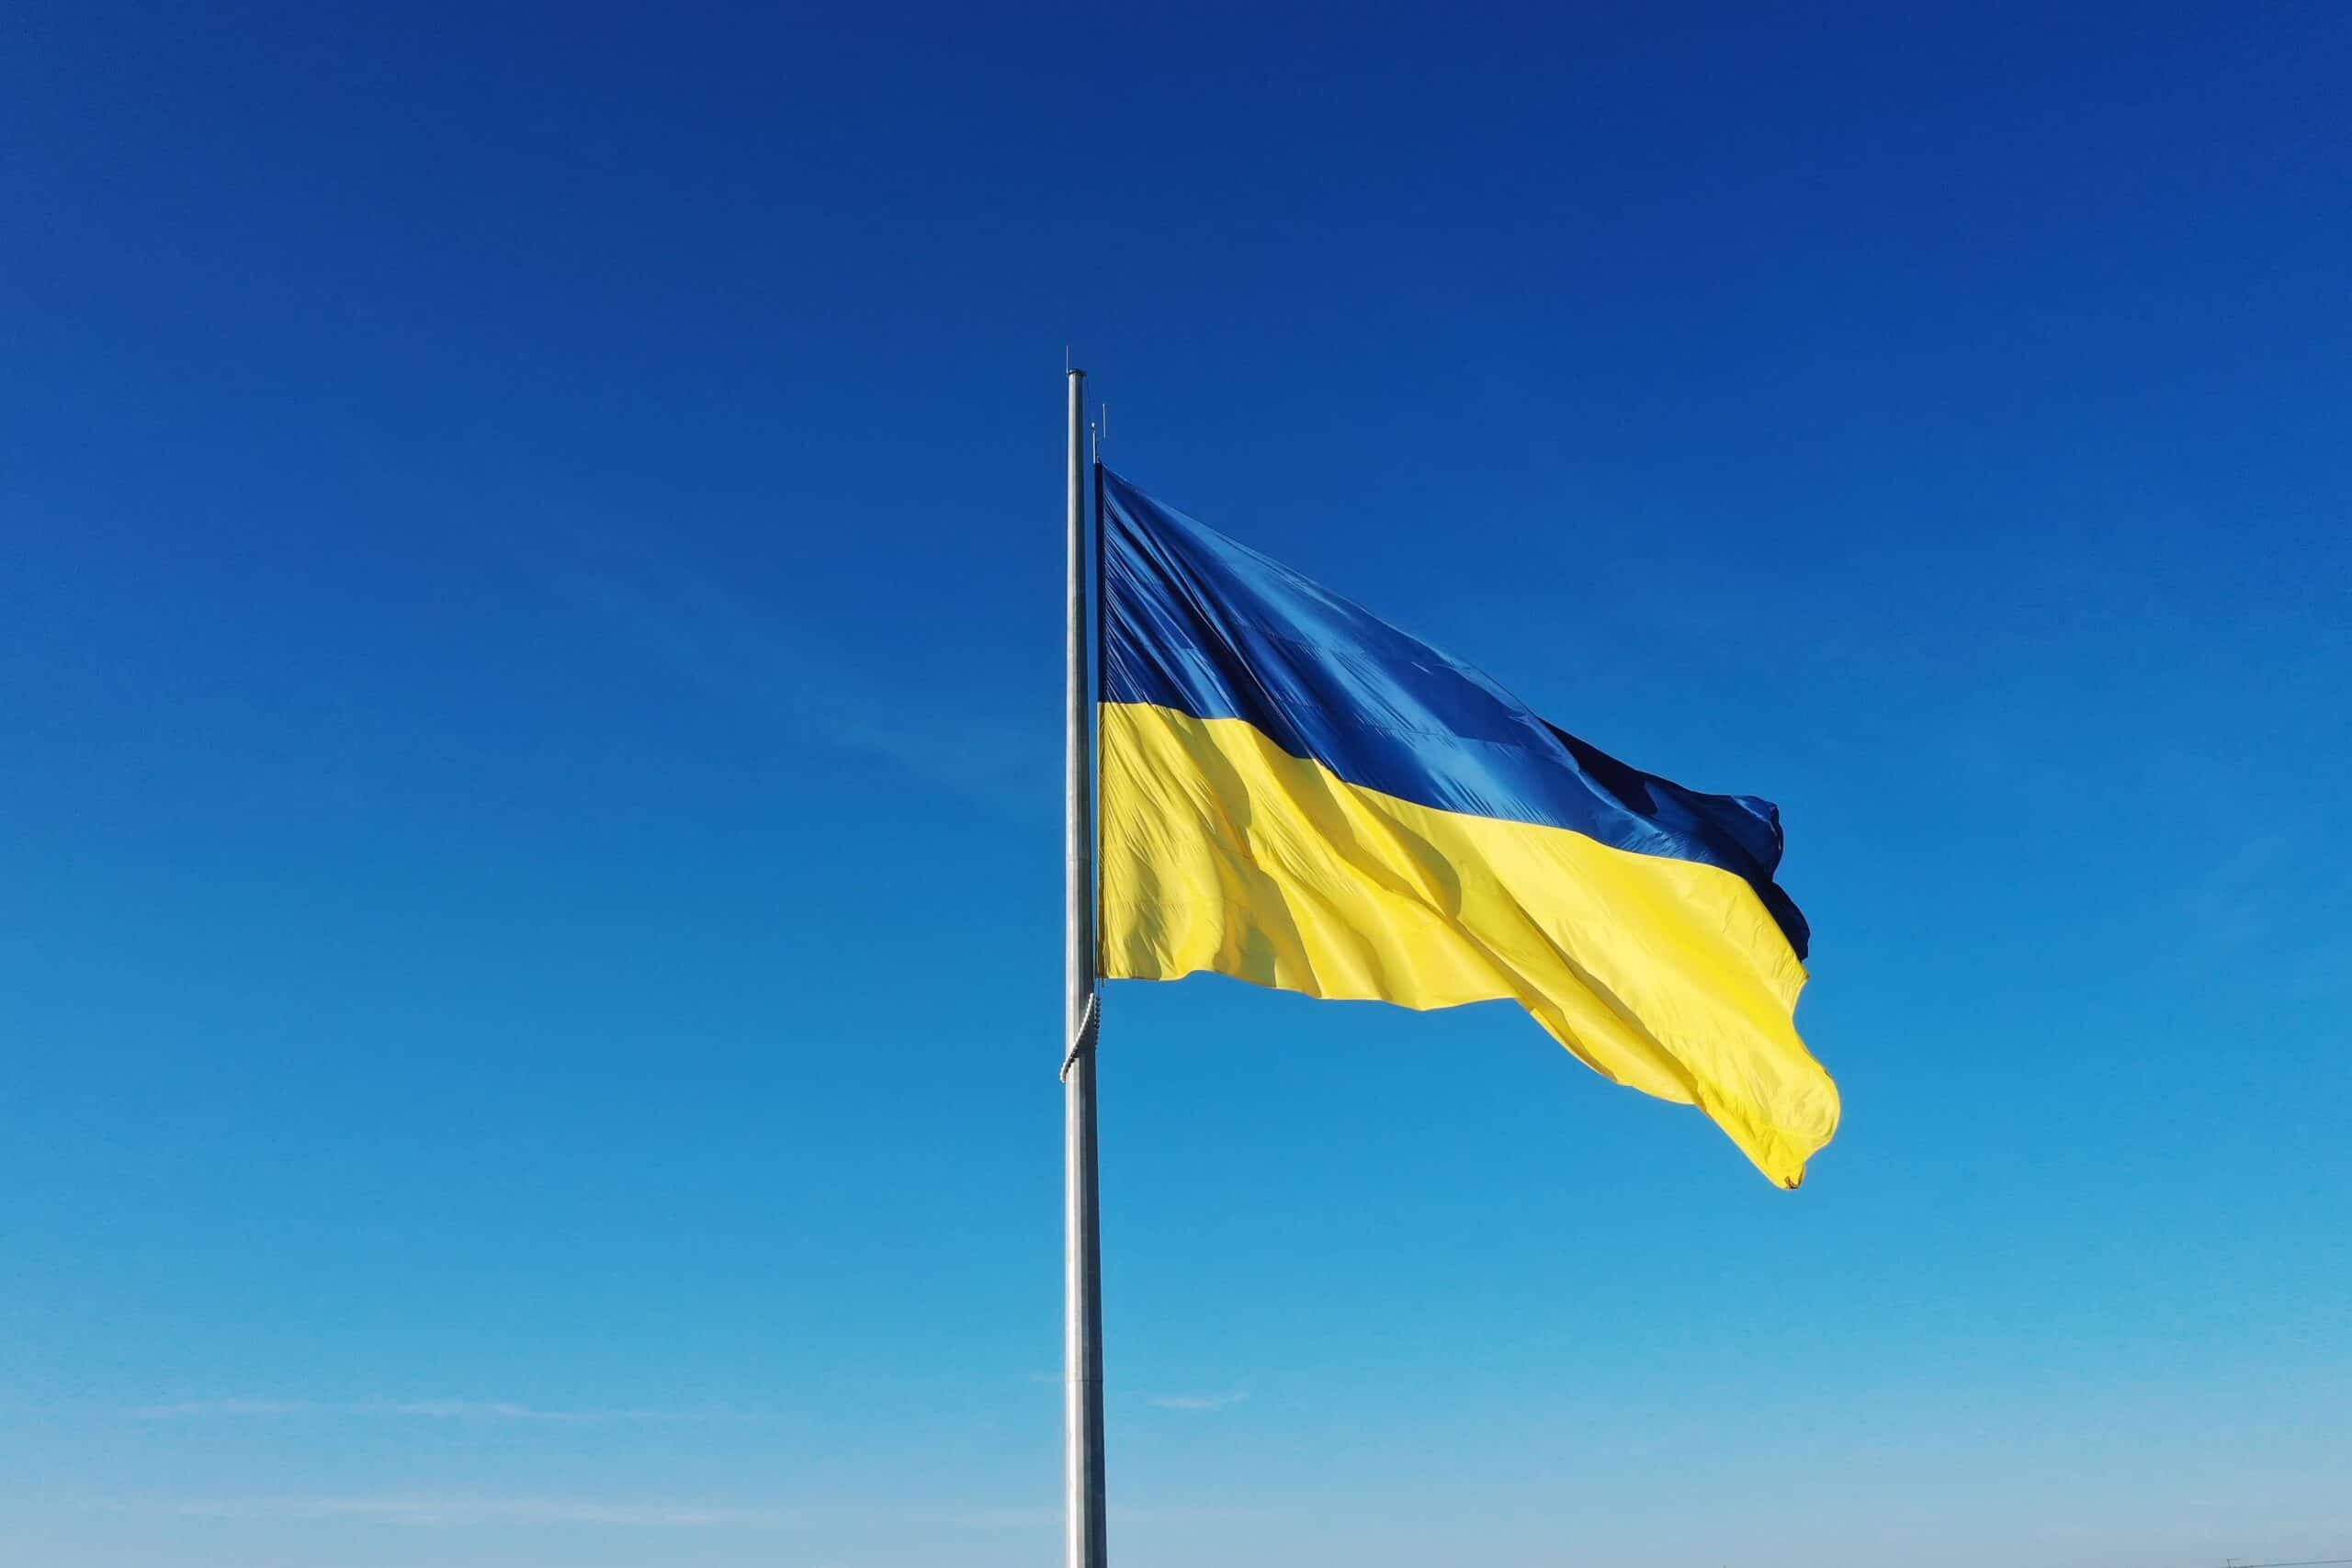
pixel 2226 904
pixel 1197 1401
pixel 432 1510
pixel 2255 904
pixel 426 1510
pixel 1048 1518
pixel 711 635
pixel 429 1409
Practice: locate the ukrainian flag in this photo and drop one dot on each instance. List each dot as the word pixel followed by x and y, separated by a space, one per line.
pixel 1298 794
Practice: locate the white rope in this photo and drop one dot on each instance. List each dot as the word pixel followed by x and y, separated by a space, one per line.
pixel 1089 1027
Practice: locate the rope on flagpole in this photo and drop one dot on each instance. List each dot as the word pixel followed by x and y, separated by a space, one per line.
pixel 1090 1029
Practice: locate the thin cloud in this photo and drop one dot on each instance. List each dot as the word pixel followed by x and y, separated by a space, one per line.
pixel 1197 1401
pixel 430 1510
pixel 706 633
pixel 427 1409
pixel 1040 1518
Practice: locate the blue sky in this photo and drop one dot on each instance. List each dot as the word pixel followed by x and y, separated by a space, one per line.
pixel 530 663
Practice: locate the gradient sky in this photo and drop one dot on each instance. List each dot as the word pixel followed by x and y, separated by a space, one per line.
pixel 529 662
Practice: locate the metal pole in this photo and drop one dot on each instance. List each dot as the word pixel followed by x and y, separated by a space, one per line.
pixel 1082 1241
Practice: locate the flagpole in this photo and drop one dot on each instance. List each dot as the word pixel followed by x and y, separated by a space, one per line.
pixel 1081 1241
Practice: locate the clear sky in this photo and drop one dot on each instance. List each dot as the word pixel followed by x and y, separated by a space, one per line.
pixel 529 662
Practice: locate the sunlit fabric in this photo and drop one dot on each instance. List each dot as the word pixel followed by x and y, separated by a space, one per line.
pixel 1297 794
